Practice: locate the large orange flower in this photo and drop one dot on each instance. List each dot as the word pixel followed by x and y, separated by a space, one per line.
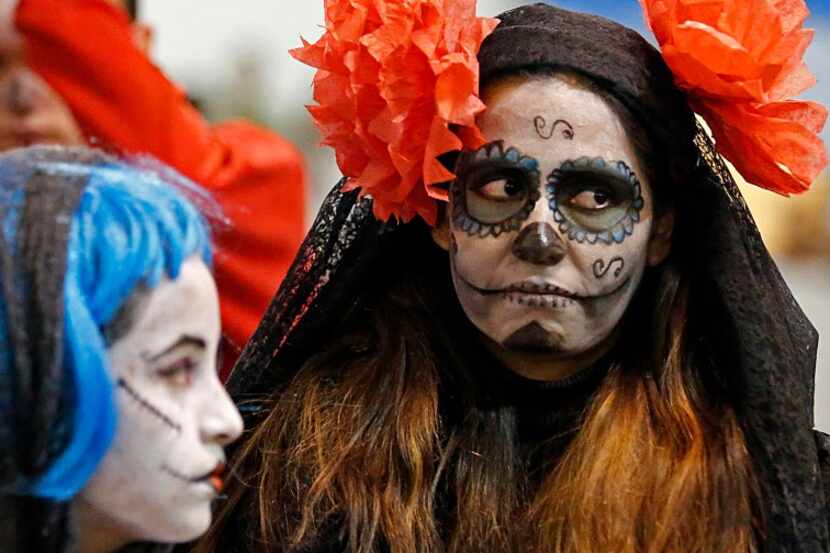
pixel 393 75
pixel 740 62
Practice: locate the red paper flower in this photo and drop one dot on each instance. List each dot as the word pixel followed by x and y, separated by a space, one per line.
pixel 393 75
pixel 740 62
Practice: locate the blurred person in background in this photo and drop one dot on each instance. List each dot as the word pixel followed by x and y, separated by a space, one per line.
pixel 78 71
pixel 30 110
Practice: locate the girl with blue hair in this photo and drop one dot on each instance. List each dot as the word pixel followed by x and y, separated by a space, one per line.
pixel 112 417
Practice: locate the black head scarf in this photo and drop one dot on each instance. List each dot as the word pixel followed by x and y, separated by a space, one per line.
pixel 36 210
pixel 768 345
pixel 36 213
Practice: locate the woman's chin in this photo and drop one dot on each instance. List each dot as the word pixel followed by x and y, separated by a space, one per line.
pixel 183 525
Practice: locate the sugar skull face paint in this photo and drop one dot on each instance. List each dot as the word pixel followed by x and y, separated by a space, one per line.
pixel 595 200
pixel 550 232
pixel 166 464
pixel 500 187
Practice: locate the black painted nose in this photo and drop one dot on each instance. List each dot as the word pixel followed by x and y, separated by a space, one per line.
pixel 539 244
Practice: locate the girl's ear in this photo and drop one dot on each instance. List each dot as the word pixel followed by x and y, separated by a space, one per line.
pixel 441 231
pixel 441 234
pixel 659 244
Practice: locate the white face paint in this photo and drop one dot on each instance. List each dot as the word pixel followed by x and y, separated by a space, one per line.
pixel 157 481
pixel 550 225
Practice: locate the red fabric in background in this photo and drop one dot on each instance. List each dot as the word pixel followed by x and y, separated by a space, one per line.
pixel 85 50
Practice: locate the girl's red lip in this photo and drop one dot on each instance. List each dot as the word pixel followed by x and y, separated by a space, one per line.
pixel 216 478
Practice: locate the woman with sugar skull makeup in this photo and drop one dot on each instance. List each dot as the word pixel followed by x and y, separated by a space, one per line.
pixel 587 347
pixel 112 416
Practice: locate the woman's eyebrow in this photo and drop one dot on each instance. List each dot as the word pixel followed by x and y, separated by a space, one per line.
pixel 498 152
pixel 584 165
pixel 183 340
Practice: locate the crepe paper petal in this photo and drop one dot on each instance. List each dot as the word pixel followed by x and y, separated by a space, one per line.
pixel 762 135
pixel 397 86
pixel 740 63
pixel 441 140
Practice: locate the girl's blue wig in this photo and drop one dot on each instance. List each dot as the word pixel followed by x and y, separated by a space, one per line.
pixel 133 225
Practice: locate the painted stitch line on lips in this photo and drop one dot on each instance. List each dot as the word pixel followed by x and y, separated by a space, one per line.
pixel 546 289
pixel 549 301
pixel 541 290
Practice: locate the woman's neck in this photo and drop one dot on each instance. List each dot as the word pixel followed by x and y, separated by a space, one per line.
pixel 97 532
pixel 548 367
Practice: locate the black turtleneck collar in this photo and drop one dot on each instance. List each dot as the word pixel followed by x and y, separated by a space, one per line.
pixel 545 409
pixel 547 413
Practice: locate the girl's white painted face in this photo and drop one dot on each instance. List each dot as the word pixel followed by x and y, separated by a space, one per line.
pixel 166 464
pixel 551 224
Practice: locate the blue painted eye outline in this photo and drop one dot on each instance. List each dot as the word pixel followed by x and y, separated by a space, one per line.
pixel 494 152
pixel 617 232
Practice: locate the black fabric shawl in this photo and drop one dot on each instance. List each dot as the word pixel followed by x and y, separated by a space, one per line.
pixel 765 346
pixel 36 211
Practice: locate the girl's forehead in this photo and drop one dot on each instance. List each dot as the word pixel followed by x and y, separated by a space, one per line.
pixel 553 119
pixel 187 305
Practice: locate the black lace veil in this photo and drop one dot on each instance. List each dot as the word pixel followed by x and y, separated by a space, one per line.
pixel 767 345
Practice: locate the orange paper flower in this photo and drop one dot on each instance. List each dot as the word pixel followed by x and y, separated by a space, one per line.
pixel 740 62
pixel 393 75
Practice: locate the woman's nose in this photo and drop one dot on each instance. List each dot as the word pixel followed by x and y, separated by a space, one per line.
pixel 539 243
pixel 221 422
pixel 23 92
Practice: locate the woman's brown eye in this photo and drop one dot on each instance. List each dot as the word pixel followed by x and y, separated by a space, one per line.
pixel 500 190
pixel 591 200
pixel 179 373
pixel 495 197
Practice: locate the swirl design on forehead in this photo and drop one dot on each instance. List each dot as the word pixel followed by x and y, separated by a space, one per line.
pixel 586 175
pixel 493 162
pixel 541 124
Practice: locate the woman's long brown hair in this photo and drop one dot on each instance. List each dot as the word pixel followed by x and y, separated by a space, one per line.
pixel 355 454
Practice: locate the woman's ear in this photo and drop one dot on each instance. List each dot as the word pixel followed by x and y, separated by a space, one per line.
pixel 441 234
pixel 659 244
pixel 441 230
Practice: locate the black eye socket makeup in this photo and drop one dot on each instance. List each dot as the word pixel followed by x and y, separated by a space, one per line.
pixel 495 190
pixel 594 200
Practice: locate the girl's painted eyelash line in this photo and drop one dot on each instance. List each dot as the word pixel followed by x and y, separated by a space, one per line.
pixel 619 231
pixel 494 151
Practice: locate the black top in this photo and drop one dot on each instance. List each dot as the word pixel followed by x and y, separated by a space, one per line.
pixel 546 409
pixel 548 414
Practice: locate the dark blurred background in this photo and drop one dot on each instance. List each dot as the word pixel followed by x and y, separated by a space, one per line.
pixel 233 60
